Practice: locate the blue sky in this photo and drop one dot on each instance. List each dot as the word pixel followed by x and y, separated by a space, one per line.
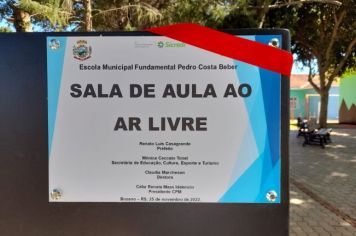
pixel 298 68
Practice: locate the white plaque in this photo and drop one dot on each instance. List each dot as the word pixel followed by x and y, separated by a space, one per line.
pixel 149 119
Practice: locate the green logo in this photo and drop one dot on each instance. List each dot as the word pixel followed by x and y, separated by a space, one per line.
pixel 160 44
pixel 170 44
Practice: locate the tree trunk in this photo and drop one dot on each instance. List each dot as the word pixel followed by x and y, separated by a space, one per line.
pixel 22 20
pixel 324 100
pixel 88 24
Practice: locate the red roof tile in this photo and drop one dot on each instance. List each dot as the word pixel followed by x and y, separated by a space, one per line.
pixel 301 81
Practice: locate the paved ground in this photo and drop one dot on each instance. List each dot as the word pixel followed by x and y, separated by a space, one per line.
pixel 323 186
pixel 308 217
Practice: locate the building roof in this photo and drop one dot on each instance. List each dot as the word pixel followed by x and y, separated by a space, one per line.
pixel 301 81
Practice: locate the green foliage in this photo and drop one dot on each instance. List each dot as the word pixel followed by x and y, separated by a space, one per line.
pixel 5 30
pixel 242 15
pixel 112 15
pixel 313 32
pixel 137 15
pixel 205 12
pixel 350 71
pixel 325 34
pixel 55 12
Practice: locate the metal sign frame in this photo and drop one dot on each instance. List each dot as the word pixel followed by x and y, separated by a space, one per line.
pixel 24 205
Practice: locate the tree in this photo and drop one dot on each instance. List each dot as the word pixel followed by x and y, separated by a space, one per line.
pixel 88 23
pixel 21 19
pixel 111 15
pixel 49 14
pixel 327 35
pixel 264 6
pixel 255 12
pixel 205 12
pixel 322 32
pixel 5 30
pixel 126 14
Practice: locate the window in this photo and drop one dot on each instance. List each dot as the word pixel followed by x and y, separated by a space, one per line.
pixel 293 102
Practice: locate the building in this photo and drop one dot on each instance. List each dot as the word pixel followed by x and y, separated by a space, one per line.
pixel 305 101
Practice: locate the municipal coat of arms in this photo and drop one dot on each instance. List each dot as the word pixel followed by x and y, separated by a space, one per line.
pixel 82 50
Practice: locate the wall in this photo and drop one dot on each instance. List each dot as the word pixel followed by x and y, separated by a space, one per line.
pixel 307 103
pixel 347 110
pixel 299 108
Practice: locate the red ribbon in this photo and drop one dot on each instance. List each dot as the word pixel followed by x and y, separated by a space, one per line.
pixel 228 45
